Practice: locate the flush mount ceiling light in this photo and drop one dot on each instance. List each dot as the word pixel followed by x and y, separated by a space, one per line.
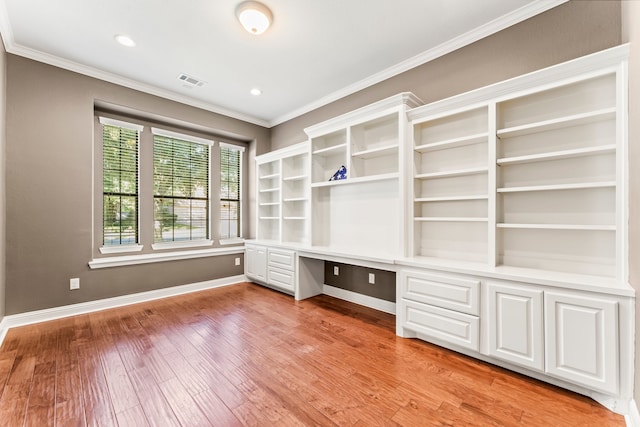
pixel 254 16
pixel 125 40
pixel 255 91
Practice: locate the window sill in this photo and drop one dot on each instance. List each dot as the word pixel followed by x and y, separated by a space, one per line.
pixel 181 245
pixel 120 249
pixel 161 257
pixel 236 241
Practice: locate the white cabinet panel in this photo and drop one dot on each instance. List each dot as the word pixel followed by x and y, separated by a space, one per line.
pixel 455 293
pixel 582 340
pixel 256 262
pixel 281 278
pixel 451 326
pixel 281 258
pixel 515 316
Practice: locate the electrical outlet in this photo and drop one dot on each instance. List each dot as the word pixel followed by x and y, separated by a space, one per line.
pixel 74 283
pixel 238 261
pixel 336 270
pixel 372 278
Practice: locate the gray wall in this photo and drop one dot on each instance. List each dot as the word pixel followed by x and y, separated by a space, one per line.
pixel 356 279
pixel 631 34
pixel 568 31
pixel 3 110
pixel 49 180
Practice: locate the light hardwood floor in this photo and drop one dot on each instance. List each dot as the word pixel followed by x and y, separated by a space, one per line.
pixel 246 355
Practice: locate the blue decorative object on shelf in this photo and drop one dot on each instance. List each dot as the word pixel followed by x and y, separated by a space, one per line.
pixel 340 174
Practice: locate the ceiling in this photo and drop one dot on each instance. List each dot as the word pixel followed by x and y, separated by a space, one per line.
pixel 315 52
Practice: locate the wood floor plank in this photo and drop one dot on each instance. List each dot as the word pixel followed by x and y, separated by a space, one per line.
pixel 244 355
pixel 95 390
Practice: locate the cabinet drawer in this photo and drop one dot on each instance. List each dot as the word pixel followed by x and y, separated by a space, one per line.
pixel 454 293
pixel 280 278
pixel 281 258
pixel 451 326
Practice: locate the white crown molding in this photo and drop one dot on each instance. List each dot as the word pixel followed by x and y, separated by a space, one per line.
pixel 449 46
pixel 45 315
pixel 483 31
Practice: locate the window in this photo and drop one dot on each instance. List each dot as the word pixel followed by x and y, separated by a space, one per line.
pixel 180 187
pixel 230 206
pixel 120 148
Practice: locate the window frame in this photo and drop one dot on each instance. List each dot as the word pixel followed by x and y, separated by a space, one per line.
pixel 240 237
pixel 121 248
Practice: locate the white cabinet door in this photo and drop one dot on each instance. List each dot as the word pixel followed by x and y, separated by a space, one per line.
pixel 581 335
pixel 514 324
pixel 256 262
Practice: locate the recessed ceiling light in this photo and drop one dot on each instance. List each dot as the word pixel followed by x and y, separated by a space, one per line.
pixel 125 40
pixel 256 92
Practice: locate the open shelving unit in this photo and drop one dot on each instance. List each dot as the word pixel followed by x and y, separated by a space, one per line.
pixel 283 195
pixel 369 142
pixel 556 178
pixel 450 198
pixel 531 179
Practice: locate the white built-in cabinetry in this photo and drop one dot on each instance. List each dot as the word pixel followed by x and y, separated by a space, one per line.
pixel 362 213
pixel 283 195
pixel 520 187
pixel 502 210
pixel 274 267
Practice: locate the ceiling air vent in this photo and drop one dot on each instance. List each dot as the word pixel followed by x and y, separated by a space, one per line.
pixel 191 81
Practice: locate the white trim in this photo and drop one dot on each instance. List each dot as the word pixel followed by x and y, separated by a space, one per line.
pixel 119 249
pixel 161 257
pixel 356 298
pixel 528 11
pixel 232 146
pixel 182 136
pixel 45 315
pixel 182 244
pixel 633 417
pixel 120 123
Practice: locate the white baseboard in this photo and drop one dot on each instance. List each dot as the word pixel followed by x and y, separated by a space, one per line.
pixel 633 417
pixel 356 298
pixel 103 304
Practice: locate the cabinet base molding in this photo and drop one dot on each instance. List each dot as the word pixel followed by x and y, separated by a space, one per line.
pixel 356 298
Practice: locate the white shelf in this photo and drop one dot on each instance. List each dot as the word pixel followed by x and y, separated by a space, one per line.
pixel 329 150
pixel 556 187
pixel 296 199
pixel 270 217
pixel 270 190
pixel 558 123
pixel 452 173
pixel 557 155
pixel 449 219
pixel 450 198
pixel 271 176
pixel 296 218
pixel 453 143
pixel 347 181
pixel 270 204
pixel 376 152
pixel 295 178
pixel 586 227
